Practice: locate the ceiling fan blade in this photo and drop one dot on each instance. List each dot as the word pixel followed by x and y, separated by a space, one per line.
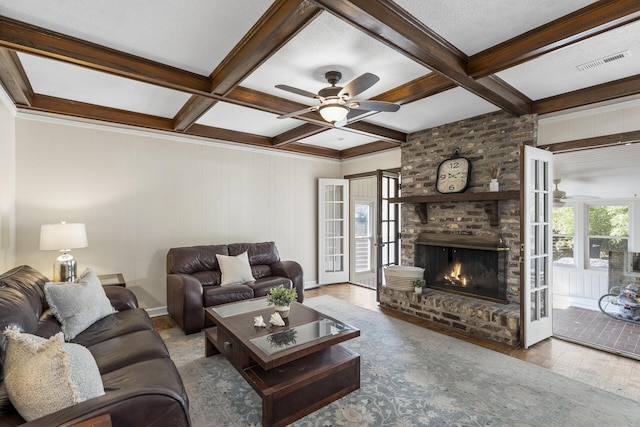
pixel 297 91
pixel 297 113
pixel 359 85
pixel 341 123
pixel 375 106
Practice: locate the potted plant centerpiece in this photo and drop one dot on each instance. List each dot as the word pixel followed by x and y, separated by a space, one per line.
pixel 419 285
pixel 282 298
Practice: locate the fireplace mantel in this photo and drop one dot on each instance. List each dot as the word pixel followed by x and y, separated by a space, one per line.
pixel 490 200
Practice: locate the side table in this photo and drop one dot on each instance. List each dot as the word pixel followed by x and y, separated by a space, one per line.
pixel 115 279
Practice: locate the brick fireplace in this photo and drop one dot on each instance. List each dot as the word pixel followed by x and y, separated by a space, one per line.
pixel 490 139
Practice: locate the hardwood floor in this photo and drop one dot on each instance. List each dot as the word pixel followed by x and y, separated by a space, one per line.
pixel 610 372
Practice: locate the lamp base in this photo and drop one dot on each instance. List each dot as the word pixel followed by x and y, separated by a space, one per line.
pixel 64 268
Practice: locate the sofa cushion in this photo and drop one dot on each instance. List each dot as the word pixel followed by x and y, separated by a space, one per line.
pixel 78 305
pixel 259 253
pixel 192 259
pixel 46 375
pixel 216 295
pixel 29 282
pixel 128 349
pixel 235 269
pixel 262 286
pixel 115 325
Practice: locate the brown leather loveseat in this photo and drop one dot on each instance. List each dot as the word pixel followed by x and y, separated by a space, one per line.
pixel 141 383
pixel 194 279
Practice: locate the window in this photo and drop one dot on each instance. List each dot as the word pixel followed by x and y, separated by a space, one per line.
pixel 564 236
pixel 608 231
pixel 363 236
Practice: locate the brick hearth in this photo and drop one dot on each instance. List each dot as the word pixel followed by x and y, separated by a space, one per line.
pixel 480 318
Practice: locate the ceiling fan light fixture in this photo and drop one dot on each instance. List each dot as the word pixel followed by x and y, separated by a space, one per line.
pixel 333 112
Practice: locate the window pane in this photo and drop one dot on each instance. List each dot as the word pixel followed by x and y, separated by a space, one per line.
pixel 363 255
pixel 362 220
pixel 608 231
pixel 563 250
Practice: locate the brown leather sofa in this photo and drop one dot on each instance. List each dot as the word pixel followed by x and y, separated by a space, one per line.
pixel 142 385
pixel 194 277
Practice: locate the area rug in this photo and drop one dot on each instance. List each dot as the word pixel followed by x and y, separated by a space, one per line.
pixel 410 376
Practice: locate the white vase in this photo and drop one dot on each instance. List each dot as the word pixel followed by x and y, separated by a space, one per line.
pixel 283 310
pixel 417 290
pixel 494 185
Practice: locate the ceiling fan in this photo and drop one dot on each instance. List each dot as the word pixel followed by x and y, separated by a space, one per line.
pixel 336 103
pixel 560 197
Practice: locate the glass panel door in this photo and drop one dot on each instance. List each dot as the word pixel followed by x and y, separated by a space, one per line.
pixel 333 231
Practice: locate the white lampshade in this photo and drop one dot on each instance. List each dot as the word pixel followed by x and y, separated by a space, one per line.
pixel 333 112
pixel 61 236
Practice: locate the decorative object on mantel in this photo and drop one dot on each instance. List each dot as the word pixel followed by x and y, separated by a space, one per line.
pixel 419 285
pixel 494 171
pixel 454 174
pixel 401 277
pixel 258 322
pixel 276 319
pixel 282 298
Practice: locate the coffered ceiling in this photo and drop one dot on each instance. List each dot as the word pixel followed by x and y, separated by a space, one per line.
pixel 209 68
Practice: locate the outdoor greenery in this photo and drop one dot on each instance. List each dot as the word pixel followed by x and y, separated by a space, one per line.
pixel 608 229
pixel 281 296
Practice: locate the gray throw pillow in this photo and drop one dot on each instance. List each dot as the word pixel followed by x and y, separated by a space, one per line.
pixel 78 305
pixel 44 376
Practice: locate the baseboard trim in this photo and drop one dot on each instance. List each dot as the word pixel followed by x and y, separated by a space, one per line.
pixel 157 311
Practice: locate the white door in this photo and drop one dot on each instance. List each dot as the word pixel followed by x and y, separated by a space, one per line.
pixel 333 231
pixel 536 256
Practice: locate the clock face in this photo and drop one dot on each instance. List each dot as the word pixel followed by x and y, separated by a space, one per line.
pixel 453 175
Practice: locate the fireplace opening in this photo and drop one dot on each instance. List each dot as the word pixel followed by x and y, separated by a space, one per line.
pixel 471 265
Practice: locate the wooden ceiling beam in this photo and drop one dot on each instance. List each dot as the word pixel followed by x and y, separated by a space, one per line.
pixel 590 95
pixel 420 88
pixel 84 110
pixel 14 79
pixel 595 142
pixel 34 40
pixel 296 134
pixel 283 20
pixel 367 149
pixel 594 19
pixel 387 22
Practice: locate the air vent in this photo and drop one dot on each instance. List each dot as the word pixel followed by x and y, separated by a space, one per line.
pixel 603 61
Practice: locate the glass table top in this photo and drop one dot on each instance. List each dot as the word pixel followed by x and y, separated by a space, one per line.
pixel 299 335
pixel 241 307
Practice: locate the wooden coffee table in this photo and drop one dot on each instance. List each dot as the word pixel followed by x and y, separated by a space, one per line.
pixel 297 368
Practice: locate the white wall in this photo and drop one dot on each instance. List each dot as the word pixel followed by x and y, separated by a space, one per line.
pixel 140 194
pixel 7 183
pixel 388 159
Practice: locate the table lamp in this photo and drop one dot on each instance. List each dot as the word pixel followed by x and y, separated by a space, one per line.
pixel 63 237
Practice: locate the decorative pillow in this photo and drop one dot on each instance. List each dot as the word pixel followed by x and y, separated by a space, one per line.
pixel 235 269
pixel 78 305
pixel 44 376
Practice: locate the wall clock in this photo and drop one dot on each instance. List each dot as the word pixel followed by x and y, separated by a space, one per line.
pixel 454 174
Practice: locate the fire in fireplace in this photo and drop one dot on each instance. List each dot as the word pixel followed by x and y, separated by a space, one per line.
pixel 472 265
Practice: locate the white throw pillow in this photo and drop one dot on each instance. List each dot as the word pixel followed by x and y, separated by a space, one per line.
pixel 44 376
pixel 235 269
pixel 78 305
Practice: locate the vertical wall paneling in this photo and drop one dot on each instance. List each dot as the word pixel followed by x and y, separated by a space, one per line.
pixel 141 193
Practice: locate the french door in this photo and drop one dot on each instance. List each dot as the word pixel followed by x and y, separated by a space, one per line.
pixel 333 231
pixel 388 238
pixel 536 250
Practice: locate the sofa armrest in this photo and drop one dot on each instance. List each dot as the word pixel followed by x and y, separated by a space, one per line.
pixel 184 302
pixel 134 407
pixel 121 298
pixel 293 271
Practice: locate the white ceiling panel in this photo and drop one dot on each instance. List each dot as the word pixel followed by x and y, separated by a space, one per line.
pixel 193 35
pixel 329 44
pixel 338 139
pixel 446 107
pixel 473 26
pixel 62 80
pixel 228 116
pixel 556 72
